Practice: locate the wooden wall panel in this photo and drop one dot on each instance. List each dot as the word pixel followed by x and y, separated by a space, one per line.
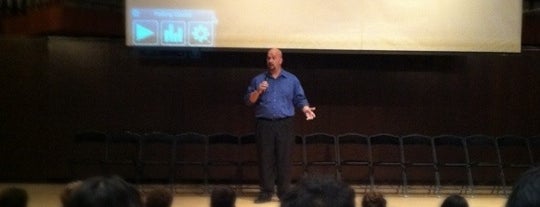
pixel 55 87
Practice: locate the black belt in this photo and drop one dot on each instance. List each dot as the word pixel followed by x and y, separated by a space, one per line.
pixel 274 119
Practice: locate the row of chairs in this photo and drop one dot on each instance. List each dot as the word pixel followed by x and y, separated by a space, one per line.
pixel 136 156
pixel 190 158
pixel 439 162
pixel 369 161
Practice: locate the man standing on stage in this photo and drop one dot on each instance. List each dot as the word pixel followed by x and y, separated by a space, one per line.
pixel 276 94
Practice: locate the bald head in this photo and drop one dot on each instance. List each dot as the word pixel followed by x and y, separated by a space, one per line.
pixel 275 51
pixel 274 58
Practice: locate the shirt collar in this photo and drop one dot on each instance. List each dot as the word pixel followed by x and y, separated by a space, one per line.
pixel 282 73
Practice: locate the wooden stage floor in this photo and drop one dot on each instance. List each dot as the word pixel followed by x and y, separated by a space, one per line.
pixel 47 195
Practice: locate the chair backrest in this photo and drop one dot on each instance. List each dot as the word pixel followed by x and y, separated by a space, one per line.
pixel 450 149
pixel 514 150
pixel 534 143
pixel 482 149
pixel 191 148
pixel 248 139
pixel 90 145
pixel 320 147
pixel 354 158
pixel 248 148
pixel 191 157
pixel 158 137
pixel 124 146
pixel 515 156
pixel 223 147
pixel 417 148
pixel 158 146
pixel 417 139
pixel 91 137
pixel 297 154
pixel 353 147
pixel 385 148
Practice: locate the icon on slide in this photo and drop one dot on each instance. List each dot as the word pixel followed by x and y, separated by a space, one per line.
pixel 201 34
pixel 145 32
pixel 173 32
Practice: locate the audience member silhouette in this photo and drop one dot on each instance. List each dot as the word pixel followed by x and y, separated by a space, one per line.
pixel 68 189
pixel 222 196
pixel 373 199
pixel 13 197
pixel 158 197
pixel 110 191
pixel 526 191
pixel 319 192
pixel 455 201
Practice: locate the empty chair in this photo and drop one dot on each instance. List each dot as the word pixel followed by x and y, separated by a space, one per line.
pixel 484 162
pixel 515 157
pixel 190 158
pixel 320 154
pixel 353 159
pixel 297 159
pixel 223 164
pixel 124 155
pixel 157 158
pixel 88 154
pixel 452 163
pixel 249 164
pixel 386 160
pixel 420 162
pixel 534 143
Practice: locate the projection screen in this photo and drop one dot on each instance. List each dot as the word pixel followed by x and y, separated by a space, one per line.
pixel 381 25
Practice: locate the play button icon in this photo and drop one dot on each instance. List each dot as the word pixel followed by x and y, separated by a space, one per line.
pixel 144 32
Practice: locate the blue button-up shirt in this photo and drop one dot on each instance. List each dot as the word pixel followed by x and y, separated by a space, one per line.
pixel 283 95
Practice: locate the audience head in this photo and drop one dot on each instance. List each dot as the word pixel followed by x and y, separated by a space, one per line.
pixel 68 189
pixel 158 197
pixel 222 196
pixel 455 201
pixel 13 197
pixel 526 191
pixel 319 192
pixel 373 199
pixel 105 191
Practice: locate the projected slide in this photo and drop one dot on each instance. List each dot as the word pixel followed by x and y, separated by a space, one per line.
pixel 381 25
pixel 172 27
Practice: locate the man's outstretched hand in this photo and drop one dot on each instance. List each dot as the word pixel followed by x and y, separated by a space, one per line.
pixel 308 111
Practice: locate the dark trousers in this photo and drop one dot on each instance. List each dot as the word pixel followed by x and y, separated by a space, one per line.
pixel 275 139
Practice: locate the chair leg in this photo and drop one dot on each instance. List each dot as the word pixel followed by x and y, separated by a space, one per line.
pixel 239 178
pixel 404 178
pixel 470 180
pixel 437 182
pixel 171 176
pixel 371 179
pixel 503 182
pixel 206 187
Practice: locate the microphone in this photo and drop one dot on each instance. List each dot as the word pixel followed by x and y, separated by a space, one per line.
pixel 265 80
